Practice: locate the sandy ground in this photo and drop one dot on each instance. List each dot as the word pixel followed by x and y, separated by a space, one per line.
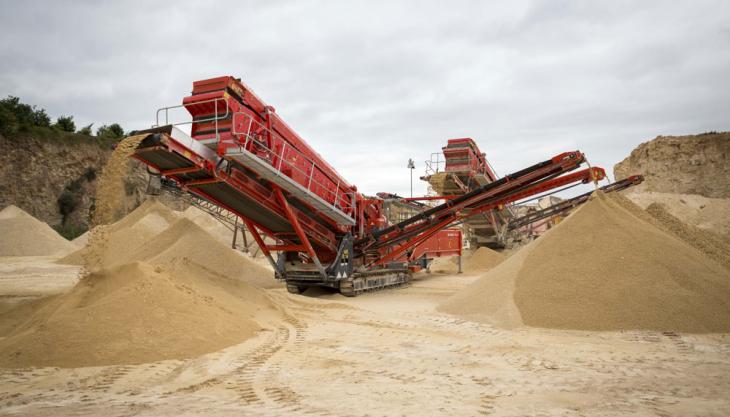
pixel 384 354
pixel 29 277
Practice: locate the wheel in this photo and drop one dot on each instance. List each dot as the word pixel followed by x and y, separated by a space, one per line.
pixel 295 289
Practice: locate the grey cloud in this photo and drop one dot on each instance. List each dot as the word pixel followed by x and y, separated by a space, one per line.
pixel 371 84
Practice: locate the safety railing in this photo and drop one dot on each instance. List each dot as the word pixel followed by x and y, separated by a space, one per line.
pixel 253 139
pixel 215 118
pixel 436 164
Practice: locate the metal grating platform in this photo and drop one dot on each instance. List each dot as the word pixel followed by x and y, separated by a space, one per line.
pixel 269 173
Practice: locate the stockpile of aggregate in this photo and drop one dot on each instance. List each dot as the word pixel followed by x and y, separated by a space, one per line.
pixel 160 288
pixel 24 235
pixel 154 286
pixel 126 235
pixel 445 265
pixel 216 229
pixel 225 235
pixel 82 240
pixel 134 313
pixel 711 244
pixel 603 268
pixel 482 260
pixel 185 243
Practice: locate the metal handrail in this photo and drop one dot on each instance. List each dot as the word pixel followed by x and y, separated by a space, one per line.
pixel 430 170
pixel 280 155
pixel 215 118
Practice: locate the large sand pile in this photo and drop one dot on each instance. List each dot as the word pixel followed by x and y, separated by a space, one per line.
pixel 82 240
pixel 711 244
pixel 711 214
pixel 479 261
pixel 134 313
pixel 445 265
pixel 225 235
pixel 602 268
pixel 24 235
pixel 185 243
pixel 157 235
pixel 482 260
pixel 216 229
pixel 129 233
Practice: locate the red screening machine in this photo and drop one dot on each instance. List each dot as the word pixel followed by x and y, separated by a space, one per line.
pixel 243 157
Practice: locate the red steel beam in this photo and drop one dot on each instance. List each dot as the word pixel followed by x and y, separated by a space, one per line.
pixel 561 163
pixel 411 243
pixel 430 197
pixel 297 227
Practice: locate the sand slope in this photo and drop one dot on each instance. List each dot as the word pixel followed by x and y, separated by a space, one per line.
pixel 127 234
pixel 24 235
pixel 602 269
pixel 133 313
pixel 185 243
pixel 711 244
pixel 482 260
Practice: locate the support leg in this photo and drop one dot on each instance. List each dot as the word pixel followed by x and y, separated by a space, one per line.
pixel 260 241
pixel 298 229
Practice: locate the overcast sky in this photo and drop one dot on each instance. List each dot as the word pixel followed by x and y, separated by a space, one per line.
pixel 370 84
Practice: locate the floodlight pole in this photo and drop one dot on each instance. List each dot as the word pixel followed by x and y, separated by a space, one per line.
pixel 411 166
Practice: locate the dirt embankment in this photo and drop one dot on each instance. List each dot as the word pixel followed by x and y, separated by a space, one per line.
pixel 694 164
pixel 35 172
pixel 46 177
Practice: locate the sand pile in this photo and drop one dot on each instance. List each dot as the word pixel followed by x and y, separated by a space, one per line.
pixel 125 236
pixel 215 228
pixel 24 235
pixel 134 313
pixel 159 236
pixel 479 261
pixel 711 244
pixel 482 260
pixel 711 214
pixel 185 243
pixel 445 265
pixel 602 268
pixel 82 240
pixel 225 235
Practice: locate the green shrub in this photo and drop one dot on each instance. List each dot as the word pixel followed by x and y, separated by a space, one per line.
pixel 86 130
pixel 67 203
pixel 112 131
pixel 9 125
pixel 65 123
pixel 25 114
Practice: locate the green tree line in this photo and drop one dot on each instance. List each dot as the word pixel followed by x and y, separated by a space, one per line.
pixel 17 117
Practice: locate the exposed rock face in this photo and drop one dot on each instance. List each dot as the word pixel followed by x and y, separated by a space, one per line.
pixel 34 173
pixel 697 164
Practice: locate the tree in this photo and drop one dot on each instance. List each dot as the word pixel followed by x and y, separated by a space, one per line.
pixel 40 118
pixel 86 130
pixel 8 122
pixel 16 116
pixel 113 131
pixel 65 123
